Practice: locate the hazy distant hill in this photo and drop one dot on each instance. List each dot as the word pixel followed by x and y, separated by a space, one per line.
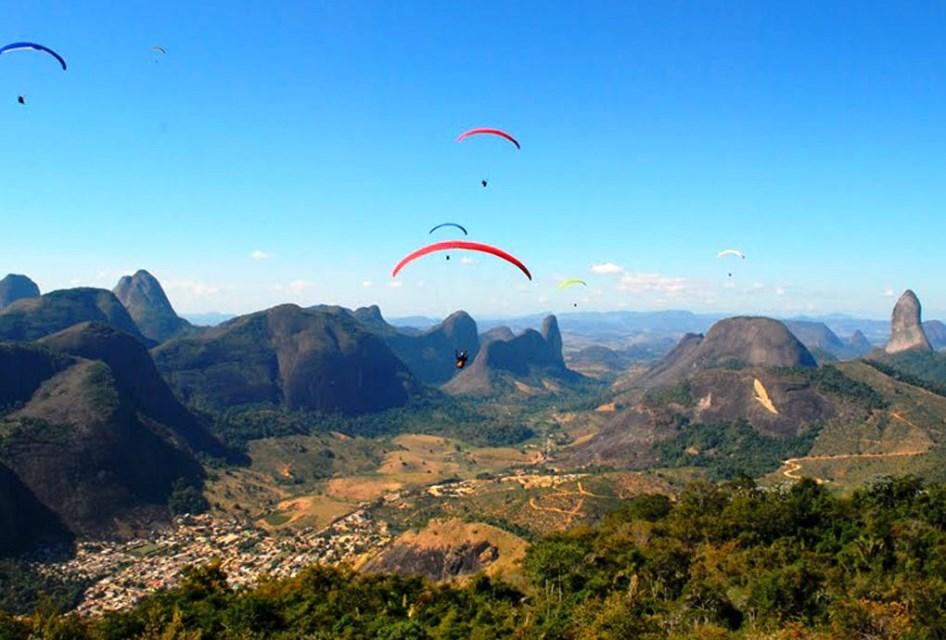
pixel 414 322
pixel 819 339
pixel 149 307
pixel 208 319
pixel 287 356
pixel 614 323
pixel 15 287
pixel 936 332
pixel 33 318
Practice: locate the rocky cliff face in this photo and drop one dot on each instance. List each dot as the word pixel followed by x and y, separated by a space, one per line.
pixel 291 357
pixel 906 330
pixel 532 355
pixel 149 307
pixel 16 287
pixel 430 354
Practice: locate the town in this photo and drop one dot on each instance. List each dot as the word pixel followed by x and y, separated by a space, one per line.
pixel 122 573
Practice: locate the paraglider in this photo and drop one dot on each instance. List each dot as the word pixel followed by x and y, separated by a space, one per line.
pixel 564 284
pixel 21 99
pixel 491 132
pixel 731 252
pixel 450 224
pixel 23 46
pixel 461 359
pixel 160 50
pixel 571 281
pixel 466 246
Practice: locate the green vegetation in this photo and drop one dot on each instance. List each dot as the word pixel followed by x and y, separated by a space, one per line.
pixel 830 379
pixel 277 519
pixel 186 498
pixel 731 449
pixel 924 370
pixel 144 550
pixel 23 589
pixel 724 561
pixel 673 394
pixel 433 413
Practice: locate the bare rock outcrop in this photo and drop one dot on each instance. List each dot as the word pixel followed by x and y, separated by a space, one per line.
pixel 906 329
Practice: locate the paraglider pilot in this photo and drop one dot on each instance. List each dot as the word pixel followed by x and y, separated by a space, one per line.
pixel 461 359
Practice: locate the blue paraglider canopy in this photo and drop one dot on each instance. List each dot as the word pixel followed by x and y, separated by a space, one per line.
pixel 20 46
pixel 450 224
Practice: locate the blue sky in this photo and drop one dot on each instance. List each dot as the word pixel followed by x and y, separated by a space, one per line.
pixel 320 135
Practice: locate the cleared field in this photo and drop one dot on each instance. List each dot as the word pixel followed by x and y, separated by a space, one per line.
pixel 493 458
pixel 246 492
pixel 315 511
pixel 361 488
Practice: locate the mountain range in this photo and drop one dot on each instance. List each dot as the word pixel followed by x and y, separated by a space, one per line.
pixel 109 400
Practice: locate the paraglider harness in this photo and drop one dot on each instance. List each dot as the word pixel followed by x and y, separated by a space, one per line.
pixel 461 359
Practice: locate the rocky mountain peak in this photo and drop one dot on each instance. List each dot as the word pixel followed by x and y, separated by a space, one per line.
pixel 906 330
pixel 16 287
pixel 553 337
pixel 149 306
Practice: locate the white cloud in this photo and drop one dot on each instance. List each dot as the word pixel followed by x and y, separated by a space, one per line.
pixel 780 291
pixel 259 254
pixel 395 284
pixel 888 292
pixel 657 283
pixel 298 286
pixel 467 260
pixel 367 284
pixel 193 288
pixel 606 268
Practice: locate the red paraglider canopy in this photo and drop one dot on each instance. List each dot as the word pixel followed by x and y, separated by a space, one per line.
pixel 492 132
pixel 460 244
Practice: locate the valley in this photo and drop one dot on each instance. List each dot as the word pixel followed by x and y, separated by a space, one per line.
pixel 324 436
